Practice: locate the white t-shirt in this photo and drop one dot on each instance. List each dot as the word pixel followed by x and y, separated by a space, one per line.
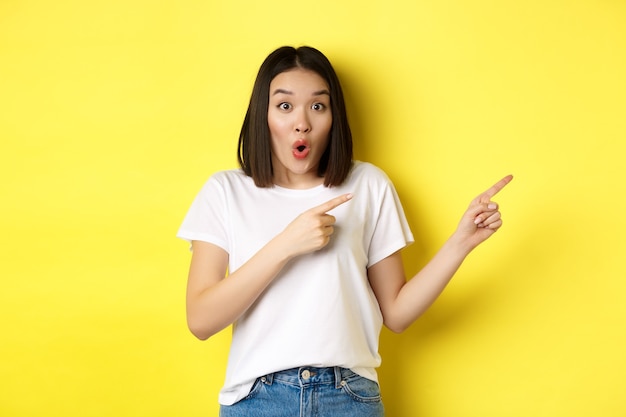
pixel 320 310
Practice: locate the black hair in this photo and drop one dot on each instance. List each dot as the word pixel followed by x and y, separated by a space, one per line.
pixel 254 148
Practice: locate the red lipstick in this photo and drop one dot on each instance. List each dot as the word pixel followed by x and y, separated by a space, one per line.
pixel 300 149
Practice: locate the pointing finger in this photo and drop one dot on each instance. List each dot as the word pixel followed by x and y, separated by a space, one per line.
pixel 331 204
pixel 497 187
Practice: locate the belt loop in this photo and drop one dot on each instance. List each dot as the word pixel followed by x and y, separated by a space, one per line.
pixel 338 377
pixel 268 379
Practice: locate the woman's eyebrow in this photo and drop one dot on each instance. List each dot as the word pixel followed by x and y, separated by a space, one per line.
pixel 315 93
pixel 281 91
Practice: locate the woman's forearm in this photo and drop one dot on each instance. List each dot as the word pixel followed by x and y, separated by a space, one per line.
pixel 421 291
pixel 212 307
pixel 214 302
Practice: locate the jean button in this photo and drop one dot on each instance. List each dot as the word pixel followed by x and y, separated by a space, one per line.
pixel 306 374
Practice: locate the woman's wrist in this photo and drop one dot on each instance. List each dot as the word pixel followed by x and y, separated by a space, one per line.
pixel 459 246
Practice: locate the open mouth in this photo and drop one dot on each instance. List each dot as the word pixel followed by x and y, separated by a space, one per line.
pixel 300 149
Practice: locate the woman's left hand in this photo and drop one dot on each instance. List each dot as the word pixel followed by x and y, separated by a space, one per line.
pixel 482 218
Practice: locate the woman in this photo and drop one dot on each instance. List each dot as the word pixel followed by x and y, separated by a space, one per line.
pixel 311 241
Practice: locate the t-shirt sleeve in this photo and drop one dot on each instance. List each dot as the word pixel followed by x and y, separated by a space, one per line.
pixel 206 219
pixel 391 229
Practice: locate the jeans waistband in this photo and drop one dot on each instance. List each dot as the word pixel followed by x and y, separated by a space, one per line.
pixel 309 375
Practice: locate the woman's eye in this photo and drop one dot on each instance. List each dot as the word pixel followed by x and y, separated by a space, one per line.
pixel 284 106
pixel 318 106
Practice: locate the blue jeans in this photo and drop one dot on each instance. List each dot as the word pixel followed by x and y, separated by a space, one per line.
pixel 309 392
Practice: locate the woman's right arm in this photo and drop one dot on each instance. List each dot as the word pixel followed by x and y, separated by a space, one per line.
pixel 214 302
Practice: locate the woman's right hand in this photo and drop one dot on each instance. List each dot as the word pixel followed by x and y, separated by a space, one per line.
pixel 311 230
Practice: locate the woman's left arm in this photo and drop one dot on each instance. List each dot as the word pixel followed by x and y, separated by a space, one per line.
pixel 402 301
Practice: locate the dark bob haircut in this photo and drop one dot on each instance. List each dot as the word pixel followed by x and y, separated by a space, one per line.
pixel 254 149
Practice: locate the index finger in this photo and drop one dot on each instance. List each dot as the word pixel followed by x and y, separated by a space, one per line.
pixel 332 203
pixel 495 189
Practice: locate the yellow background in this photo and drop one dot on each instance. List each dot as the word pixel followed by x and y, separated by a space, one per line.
pixel 113 114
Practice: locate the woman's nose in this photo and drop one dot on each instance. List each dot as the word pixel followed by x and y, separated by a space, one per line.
pixel 302 123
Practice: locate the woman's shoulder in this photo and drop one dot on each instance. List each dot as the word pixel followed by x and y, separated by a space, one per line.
pixel 361 169
pixel 229 176
pixel 227 180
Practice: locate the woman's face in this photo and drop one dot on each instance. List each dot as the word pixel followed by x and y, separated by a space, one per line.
pixel 299 119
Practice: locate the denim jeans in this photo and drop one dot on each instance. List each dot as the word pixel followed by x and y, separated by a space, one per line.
pixel 309 392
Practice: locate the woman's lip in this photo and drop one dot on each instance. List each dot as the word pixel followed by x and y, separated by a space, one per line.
pixel 300 149
pixel 301 153
pixel 300 142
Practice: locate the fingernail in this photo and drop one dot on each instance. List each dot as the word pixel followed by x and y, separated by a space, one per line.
pixel 492 206
pixel 477 220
